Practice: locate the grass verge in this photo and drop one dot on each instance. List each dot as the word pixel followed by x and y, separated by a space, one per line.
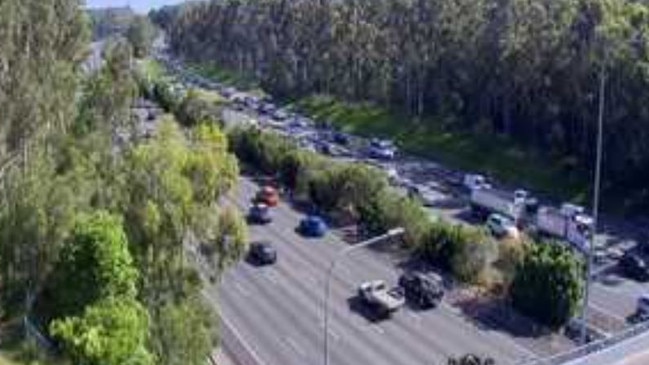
pixel 491 155
pixel 227 77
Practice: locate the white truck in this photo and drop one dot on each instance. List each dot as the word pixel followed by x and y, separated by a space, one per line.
pixel 486 201
pixel 570 225
pixel 385 301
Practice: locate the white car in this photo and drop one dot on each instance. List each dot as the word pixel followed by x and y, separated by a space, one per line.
pixel 475 181
pixel 377 294
pixel 570 210
pixel 501 226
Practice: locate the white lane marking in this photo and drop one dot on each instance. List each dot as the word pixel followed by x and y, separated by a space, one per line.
pixel 607 312
pixel 292 344
pixel 310 278
pixel 377 329
pixel 272 277
pixel 413 317
pixel 241 289
pixel 235 332
pixel 333 334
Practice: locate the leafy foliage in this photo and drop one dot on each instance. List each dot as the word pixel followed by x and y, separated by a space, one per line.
pixel 112 331
pixel 96 259
pixel 37 77
pixel 141 33
pixel 182 333
pixel 526 70
pixel 548 284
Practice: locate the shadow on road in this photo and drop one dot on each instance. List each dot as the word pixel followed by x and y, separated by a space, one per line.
pixel 495 314
pixel 368 312
pixel 450 203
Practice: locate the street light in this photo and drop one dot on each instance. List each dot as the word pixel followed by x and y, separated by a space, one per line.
pixel 596 188
pixel 342 253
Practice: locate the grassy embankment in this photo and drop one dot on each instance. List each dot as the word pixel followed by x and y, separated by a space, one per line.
pixel 496 156
pixel 492 155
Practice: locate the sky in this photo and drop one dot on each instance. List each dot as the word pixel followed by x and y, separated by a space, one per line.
pixel 140 6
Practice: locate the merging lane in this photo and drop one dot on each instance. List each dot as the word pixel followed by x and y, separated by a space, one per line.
pixel 277 310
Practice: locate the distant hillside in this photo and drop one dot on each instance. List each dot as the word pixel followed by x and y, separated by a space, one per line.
pixel 110 21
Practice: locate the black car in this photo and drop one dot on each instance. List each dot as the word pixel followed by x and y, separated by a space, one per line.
pixel 341 138
pixel 634 267
pixel 259 213
pixel 423 290
pixel 262 253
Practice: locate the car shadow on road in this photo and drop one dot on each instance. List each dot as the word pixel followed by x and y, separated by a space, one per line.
pixel 369 313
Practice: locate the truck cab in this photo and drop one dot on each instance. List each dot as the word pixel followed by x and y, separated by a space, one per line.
pixel 377 295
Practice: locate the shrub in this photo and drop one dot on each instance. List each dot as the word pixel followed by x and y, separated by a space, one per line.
pixel 548 284
pixel 388 210
pixel 264 151
pixel 473 255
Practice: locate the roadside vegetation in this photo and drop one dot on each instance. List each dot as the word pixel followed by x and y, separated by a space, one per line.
pixel 507 87
pixel 491 155
pixel 95 216
pixel 542 279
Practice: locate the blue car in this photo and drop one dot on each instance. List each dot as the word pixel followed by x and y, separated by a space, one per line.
pixel 312 226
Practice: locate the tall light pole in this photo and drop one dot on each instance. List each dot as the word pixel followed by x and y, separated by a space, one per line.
pixel 596 189
pixel 341 254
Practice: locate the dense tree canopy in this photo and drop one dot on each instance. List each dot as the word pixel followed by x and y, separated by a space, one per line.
pixel 527 69
pixel 97 260
pixel 548 284
pixel 141 33
pixel 154 194
pixel 113 21
pixel 42 42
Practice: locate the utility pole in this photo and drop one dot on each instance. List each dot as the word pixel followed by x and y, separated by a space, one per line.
pixel 596 193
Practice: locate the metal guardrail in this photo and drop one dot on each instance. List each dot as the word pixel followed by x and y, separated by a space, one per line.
pixel 592 347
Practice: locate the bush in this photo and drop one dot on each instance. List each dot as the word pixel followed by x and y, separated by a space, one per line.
pixel 264 151
pixel 388 210
pixel 194 110
pixel 346 188
pixel 548 284
pixel 473 255
pixel 510 256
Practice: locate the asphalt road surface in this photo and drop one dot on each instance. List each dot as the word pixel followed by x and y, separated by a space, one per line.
pixel 277 310
pixel 612 298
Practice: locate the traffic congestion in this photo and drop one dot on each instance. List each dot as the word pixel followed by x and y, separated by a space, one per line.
pixel 457 196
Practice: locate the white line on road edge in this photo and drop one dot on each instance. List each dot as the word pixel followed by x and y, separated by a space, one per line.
pixel 237 336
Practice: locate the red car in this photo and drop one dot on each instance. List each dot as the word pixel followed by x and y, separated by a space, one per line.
pixel 268 195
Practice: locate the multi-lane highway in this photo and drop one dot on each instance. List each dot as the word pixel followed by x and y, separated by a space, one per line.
pixel 277 310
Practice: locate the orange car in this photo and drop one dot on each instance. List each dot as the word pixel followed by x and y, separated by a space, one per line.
pixel 268 195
